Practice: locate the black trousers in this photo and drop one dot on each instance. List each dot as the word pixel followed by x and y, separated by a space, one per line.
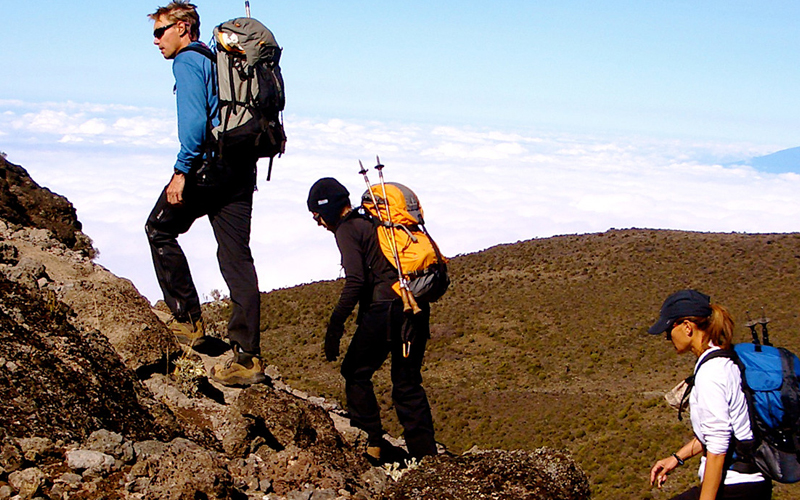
pixel 229 208
pixel 743 491
pixel 378 335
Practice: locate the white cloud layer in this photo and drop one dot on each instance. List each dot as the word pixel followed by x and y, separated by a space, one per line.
pixel 478 187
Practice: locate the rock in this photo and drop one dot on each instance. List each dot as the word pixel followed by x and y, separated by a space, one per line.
pixel 110 443
pixel 184 470
pixel 89 459
pixel 70 478
pixel 272 372
pixel 56 367
pixel 8 254
pixel 27 482
pixel 11 457
pixel 247 473
pixel 58 490
pixel 48 229
pixel 24 202
pixel 300 495
pixel 542 474
pixel 148 449
pixel 375 479
pixel 296 440
pixel 35 447
pixel 324 495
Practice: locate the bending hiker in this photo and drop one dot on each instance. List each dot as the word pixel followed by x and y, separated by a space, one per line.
pixel 719 410
pixel 227 204
pixel 368 282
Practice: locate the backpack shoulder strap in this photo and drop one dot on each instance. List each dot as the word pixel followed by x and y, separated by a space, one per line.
pixel 719 353
pixel 790 394
pixel 200 49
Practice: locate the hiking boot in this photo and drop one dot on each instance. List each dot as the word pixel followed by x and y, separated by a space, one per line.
pixel 384 452
pixel 373 455
pixel 187 333
pixel 236 372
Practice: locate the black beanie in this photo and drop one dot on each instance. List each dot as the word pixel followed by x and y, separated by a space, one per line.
pixel 327 198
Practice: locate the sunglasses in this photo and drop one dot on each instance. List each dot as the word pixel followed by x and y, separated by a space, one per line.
pixel 671 326
pixel 159 32
pixel 668 331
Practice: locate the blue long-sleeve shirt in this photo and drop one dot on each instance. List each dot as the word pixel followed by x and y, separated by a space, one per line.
pixel 195 89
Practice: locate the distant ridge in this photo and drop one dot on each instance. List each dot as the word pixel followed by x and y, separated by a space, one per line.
pixel 544 343
pixel 780 162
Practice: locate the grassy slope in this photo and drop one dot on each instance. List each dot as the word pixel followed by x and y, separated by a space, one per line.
pixel 543 343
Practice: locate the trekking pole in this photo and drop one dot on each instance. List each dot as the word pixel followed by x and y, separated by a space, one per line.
pixel 409 302
pixel 363 172
pixel 764 332
pixel 247 7
pixel 752 326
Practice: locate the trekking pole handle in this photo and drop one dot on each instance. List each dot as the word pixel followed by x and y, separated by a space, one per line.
pixel 247 7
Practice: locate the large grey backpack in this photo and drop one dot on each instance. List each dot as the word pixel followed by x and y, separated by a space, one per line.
pixel 251 92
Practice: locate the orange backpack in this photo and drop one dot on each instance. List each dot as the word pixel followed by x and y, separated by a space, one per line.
pixel 422 264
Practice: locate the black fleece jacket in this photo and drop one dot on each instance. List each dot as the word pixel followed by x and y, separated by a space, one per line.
pixel 368 274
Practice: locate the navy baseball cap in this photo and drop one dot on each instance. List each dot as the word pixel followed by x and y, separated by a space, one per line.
pixel 681 304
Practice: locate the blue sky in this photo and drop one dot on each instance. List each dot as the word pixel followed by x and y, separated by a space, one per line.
pixel 717 69
pixel 510 119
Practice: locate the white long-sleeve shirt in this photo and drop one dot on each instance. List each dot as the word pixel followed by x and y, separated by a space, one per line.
pixel 719 410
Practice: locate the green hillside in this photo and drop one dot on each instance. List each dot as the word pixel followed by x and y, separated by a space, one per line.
pixel 544 343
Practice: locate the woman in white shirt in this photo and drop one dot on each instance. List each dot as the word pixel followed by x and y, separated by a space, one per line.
pixel 717 403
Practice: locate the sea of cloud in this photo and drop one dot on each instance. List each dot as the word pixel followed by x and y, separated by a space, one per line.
pixel 479 187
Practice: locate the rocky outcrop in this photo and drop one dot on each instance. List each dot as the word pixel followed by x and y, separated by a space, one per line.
pixel 27 204
pixel 542 474
pixel 296 440
pixel 48 366
pixel 98 299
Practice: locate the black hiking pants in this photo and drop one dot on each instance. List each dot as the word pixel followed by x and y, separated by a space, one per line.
pixel 229 208
pixel 761 490
pixel 378 335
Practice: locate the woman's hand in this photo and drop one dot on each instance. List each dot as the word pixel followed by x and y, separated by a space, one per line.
pixel 663 467
pixel 661 470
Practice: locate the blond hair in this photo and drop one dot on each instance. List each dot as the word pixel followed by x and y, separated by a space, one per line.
pixel 180 11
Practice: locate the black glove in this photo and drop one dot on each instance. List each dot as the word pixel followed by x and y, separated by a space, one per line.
pixel 332 338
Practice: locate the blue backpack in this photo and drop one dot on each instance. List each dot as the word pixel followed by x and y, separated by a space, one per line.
pixel 770 384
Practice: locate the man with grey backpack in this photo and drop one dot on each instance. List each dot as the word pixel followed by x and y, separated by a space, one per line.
pixel 207 180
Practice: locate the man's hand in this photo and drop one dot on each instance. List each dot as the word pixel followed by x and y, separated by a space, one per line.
pixel 332 338
pixel 175 189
